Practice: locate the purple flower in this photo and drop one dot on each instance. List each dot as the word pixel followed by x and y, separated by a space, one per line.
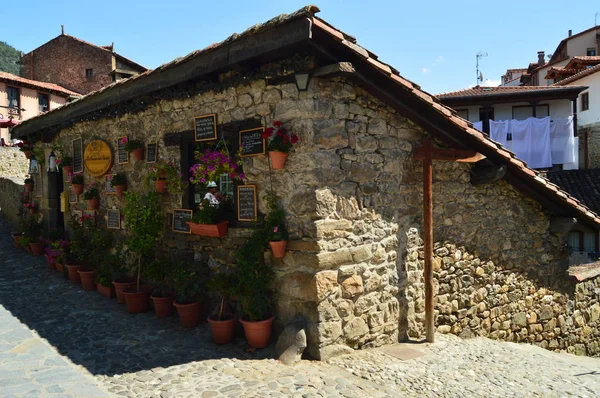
pixel 276 229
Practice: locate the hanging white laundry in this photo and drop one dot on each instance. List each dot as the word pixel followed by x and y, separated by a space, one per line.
pixel 562 140
pixel 499 131
pixel 478 125
pixel 531 141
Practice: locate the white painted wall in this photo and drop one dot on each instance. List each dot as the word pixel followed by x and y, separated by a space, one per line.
pixel 542 73
pixel 579 45
pixel 592 115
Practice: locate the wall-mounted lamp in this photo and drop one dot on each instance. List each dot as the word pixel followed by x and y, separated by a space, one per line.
pixel 52 167
pixel 302 80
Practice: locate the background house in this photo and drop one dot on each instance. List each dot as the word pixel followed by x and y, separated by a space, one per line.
pixel 21 99
pixel 76 64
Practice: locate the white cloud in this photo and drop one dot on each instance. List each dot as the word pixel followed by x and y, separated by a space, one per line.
pixel 425 70
pixel 440 59
pixel 491 83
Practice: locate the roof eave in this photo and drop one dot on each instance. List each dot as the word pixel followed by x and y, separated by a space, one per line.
pixel 514 97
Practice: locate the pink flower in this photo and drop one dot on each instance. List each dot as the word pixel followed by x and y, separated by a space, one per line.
pixel 276 229
pixel 124 140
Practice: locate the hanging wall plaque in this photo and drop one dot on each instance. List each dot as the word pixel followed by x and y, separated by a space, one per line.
pixel 205 127
pixel 252 142
pixel 151 152
pixel 122 156
pixel 109 188
pixel 77 149
pixel 113 219
pixel 246 203
pixel 180 219
pixel 97 158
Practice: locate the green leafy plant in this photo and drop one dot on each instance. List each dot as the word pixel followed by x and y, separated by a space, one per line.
pixel 168 171
pixel 91 191
pixel 160 272
pixel 65 161
pixel 188 282
pixel 118 179
pixel 143 215
pixel 130 145
pixel 38 152
pixel 76 178
pixel 222 283
pixel 25 240
pixel 111 267
pixel 81 247
pixel 275 220
pixel 207 214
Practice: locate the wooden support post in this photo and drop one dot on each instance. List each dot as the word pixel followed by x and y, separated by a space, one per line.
pixel 428 240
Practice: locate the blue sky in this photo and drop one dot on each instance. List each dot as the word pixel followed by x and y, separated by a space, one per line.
pixel 432 43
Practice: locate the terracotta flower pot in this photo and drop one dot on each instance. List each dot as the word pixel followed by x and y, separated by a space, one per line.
pixel 258 333
pixel 28 249
pixel 92 204
pixel 138 154
pixel 119 189
pixel 59 267
pixel 137 301
pixel 189 314
pixel 278 248
pixel 32 211
pixel 73 274
pixel 161 186
pixel 77 189
pixel 28 187
pixel 37 248
pixel 106 291
pixel 16 236
pixel 68 169
pixel 28 154
pixel 120 285
pixel 213 230
pixel 87 277
pixel 163 306
pixel 277 159
pixel 222 331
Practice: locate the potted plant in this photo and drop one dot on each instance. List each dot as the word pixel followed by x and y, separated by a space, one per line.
pixel 275 225
pixel 206 220
pixel 222 323
pixel 80 247
pixel 160 272
pixel 76 181
pixel 31 238
pixel 188 288
pixel 213 161
pixel 28 184
pixel 119 183
pixel 66 164
pixel 100 242
pixel 166 177
pixel 32 207
pixel 26 148
pixel 92 196
pixel 135 147
pixel 55 251
pixel 280 144
pixel 143 214
pixel 24 241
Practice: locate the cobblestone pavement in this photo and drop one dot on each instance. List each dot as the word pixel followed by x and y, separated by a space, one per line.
pixel 143 356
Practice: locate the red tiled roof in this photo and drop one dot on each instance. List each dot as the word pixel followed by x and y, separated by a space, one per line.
pixel 559 71
pixel 467 133
pixel 59 90
pixel 481 91
pixel 565 40
pixel 584 73
pixel 579 62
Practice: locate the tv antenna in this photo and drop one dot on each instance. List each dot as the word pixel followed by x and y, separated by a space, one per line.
pixel 596 18
pixel 480 54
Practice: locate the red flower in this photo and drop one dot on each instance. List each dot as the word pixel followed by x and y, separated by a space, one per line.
pixel 276 124
pixel 294 138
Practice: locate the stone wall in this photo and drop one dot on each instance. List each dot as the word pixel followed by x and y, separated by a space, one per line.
pixel 593 134
pixel 13 163
pixel 13 170
pixel 476 297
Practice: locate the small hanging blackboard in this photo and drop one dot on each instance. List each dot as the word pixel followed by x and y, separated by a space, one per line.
pixel 109 188
pixel 113 219
pixel 205 127
pixel 72 197
pixel 151 152
pixel 246 203
pixel 180 218
pixel 77 148
pixel 252 142
pixel 121 152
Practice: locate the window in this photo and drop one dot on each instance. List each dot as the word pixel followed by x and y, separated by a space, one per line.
pixel 44 103
pixel 89 73
pixel 590 52
pixel 464 113
pixel 573 241
pixel 583 241
pixel 585 101
pixel 14 98
pixel 522 112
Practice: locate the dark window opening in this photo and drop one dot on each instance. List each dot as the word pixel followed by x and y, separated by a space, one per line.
pixel 585 101
pixel 464 113
pixel 89 73
pixel 590 52
pixel 14 100
pixel 44 103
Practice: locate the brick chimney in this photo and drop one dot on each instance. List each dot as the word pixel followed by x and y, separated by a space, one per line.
pixel 570 32
pixel 541 58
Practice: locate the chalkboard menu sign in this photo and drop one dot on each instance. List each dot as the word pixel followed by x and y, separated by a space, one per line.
pixel 77 148
pixel 113 219
pixel 151 152
pixel 180 219
pixel 72 196
pixel 246 203
pixel 109 188
pixel 252 142
pixel 121 152
pixel 205 127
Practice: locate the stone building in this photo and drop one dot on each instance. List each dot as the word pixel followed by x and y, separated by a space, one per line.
pixel 76 64
pixel 353 191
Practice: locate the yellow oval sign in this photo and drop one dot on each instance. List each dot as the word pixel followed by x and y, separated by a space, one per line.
pixel 97 158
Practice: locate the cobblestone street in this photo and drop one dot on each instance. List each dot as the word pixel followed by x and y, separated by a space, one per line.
pixel 57 340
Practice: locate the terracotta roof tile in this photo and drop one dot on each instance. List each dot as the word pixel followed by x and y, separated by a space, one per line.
pixel 480 91
pixel 581 184
pixel 9 77
pixel 584 73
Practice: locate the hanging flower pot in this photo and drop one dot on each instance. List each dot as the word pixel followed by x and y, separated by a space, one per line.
pixel 106 291
pixel 278 248
pixel 258 333
pixel 120 285
pixel 138 154
pixel 119 189
pixel 221 330
pixel 277 159
pixel 77 188
pixel 189 314
pixel 212 230
pixel 92 204
pixel 163 305
pixel 161 186
pixel 68 169
pixel 138 301
pixel 73 274
pixel 28 154
pixel 87 277
pixel 37 248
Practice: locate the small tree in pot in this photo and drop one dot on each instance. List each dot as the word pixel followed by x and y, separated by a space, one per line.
pixel 160 273
pixel 222 322
pixel 143 215
pixel 188 288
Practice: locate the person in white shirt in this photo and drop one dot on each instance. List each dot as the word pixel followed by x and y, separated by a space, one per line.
pixel 210 195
